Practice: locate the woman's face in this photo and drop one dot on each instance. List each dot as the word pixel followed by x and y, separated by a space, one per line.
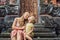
pixel 26 15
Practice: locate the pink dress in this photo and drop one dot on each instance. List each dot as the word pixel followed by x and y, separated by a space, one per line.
pixel 19 33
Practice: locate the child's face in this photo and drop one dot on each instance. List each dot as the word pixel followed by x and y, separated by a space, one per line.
pixel 29 20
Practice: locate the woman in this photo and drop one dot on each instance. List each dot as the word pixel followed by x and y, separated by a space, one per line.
pixel 18 29
pixel 15 32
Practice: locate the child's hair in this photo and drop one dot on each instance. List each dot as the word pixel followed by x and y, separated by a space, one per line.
pixel 32 18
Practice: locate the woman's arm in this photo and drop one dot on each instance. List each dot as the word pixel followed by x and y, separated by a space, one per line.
pixel 22 27
pixel 19 27
pixel 14 24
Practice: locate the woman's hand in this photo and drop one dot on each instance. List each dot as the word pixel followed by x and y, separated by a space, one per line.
pixel 15 28
pixel 19 28
pixel 22 27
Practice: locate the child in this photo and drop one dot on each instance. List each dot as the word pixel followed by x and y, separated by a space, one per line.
pixel 18 28
pixel 30 27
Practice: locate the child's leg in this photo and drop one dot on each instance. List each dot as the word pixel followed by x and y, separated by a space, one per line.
pixel 24 36
pixel 28 37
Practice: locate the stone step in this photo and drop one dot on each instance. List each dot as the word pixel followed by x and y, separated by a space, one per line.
pixel 45 35
pixel 5 39
pixel 38 30
pixel 42 30
pixel 38 26
pixel 5 35
pixel 34 39
pixel 46 38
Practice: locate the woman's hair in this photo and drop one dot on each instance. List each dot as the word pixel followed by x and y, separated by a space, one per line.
pixel 21 21
pixel 25 17
pixel 32 18
pixel 26 13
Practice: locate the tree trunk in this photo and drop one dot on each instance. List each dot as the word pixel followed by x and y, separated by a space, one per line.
pixel 30 6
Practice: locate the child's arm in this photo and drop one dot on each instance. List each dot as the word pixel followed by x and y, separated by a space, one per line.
pixel 31 30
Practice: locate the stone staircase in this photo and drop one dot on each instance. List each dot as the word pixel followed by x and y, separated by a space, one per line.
pixel 44 32
pixel 34 39
pixel 40 33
